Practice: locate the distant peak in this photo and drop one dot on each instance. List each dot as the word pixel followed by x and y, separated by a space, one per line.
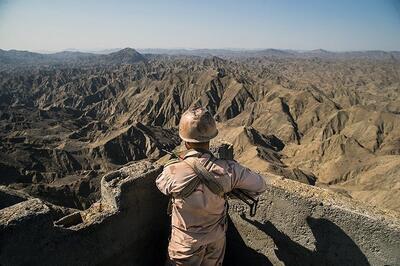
pixel 320 51
pixel 126 55
pixel 127 50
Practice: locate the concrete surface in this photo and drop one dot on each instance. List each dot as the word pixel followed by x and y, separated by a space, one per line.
pixel 127 227
pixel 296 224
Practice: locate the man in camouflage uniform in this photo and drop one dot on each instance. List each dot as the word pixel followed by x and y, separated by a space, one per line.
pixel 197 183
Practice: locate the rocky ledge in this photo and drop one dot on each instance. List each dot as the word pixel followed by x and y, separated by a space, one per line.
pixel 128 225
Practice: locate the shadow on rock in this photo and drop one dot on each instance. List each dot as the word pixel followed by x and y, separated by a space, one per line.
pixel 238 253
pixel 332 245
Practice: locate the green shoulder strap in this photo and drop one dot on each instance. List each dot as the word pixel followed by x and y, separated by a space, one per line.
pixel 171 161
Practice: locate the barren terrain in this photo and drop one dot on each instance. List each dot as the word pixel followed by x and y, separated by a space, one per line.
pixel 322 118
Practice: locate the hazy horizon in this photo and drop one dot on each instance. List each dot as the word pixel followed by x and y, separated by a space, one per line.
pixel 51 26
pixel 111 50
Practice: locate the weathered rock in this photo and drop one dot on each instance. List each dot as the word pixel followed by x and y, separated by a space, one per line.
pixel 295 223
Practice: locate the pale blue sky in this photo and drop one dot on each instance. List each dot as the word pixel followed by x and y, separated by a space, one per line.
pixel 333 25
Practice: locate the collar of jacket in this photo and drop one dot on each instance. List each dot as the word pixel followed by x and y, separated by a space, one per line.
pixel 196 153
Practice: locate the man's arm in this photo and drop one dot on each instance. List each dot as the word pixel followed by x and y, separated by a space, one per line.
pixel 244 178
pixel 163 183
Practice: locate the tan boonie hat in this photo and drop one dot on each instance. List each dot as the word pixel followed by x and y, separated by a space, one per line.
pixel 197 125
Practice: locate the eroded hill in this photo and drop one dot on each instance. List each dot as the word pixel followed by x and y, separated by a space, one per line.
pixel 330 121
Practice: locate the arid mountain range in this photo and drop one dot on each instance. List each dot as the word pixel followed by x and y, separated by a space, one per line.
pixel 322 118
